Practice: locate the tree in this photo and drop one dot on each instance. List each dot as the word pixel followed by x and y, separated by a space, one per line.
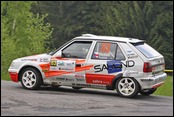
pixel 23 33
pixel 70 18
pixel 148 20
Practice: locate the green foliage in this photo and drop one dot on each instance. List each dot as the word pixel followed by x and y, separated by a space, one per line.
pixel 70 18
pixel 23 33
pixel 148 20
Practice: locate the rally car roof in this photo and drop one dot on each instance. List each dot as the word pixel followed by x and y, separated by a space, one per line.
pixel 108 38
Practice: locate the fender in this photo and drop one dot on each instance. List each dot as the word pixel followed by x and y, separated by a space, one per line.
pixel 35 65
pixel 115 79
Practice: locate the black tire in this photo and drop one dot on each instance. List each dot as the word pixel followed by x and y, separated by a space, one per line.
pixel 127 87
pixel 76 88
pixel 30 78
pixel 148 92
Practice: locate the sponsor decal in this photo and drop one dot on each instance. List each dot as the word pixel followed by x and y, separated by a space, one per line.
pixel 66 69
pixel 79 76
pixel 45 67
pixel 146 80
pixel 105 47
pixel 103 51
pixel 44 60
pixel 89 85
pixel 135 56
pixel 66 65
pixel 103 55
pixel 65 79
pixel 62 79
pixel 70 79
pixel 96 54
pixel 60 63
pixel 62 67
pixel 53 63
pixel 111 66
pixel 80 79
pixel 114 66
pixel 99 78
pixel 99 55
pixel 131 54
pixel 71 64
pixel 129 73
pixel 28 59
pixel 100 82
pixel 97 81
pixel 53 68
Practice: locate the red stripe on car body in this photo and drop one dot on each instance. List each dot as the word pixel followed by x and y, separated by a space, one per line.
pixel 99 79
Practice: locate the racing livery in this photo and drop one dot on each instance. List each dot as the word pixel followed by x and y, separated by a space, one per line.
pixel 128 65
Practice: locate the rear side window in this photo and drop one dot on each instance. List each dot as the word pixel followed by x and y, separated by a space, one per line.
pixel 107 51
pixel 147 50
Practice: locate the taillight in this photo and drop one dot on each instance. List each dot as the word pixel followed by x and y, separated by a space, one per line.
pixel 147 67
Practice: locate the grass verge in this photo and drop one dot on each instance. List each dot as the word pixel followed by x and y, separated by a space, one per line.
pixel 5 76
pixel 167 88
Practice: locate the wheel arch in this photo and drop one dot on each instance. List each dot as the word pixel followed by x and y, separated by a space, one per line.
pixel 29 66
pixel 115 79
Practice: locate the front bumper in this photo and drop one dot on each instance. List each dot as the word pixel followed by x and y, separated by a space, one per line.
pixel 152 81
pixel 13 74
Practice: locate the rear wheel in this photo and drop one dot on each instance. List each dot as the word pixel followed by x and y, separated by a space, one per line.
pixel 148 92
pixel 127 87
pixel 30 78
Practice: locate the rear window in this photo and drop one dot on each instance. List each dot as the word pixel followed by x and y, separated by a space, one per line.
pixel 147 50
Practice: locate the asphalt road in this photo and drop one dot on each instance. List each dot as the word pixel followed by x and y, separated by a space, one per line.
pixel 64 101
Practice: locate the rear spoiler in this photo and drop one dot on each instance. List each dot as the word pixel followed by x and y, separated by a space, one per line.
pixel 138 42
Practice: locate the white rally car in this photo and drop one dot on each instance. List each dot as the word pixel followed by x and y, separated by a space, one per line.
pixel 128 65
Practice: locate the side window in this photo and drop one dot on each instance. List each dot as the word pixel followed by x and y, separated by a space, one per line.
pixel 77 49
pixel 119 54
pixel 104 51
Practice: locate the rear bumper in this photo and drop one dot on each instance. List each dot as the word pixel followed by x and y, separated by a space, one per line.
pixel 152 82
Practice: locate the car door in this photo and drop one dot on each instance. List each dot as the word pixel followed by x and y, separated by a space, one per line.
pixel 68 64
pixel 107 59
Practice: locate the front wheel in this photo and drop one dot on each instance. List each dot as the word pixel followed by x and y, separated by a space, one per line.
pixel 127 87
pixel 30 78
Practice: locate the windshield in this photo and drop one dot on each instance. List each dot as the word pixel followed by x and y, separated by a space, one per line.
pixel 53 52
pixel 147 50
